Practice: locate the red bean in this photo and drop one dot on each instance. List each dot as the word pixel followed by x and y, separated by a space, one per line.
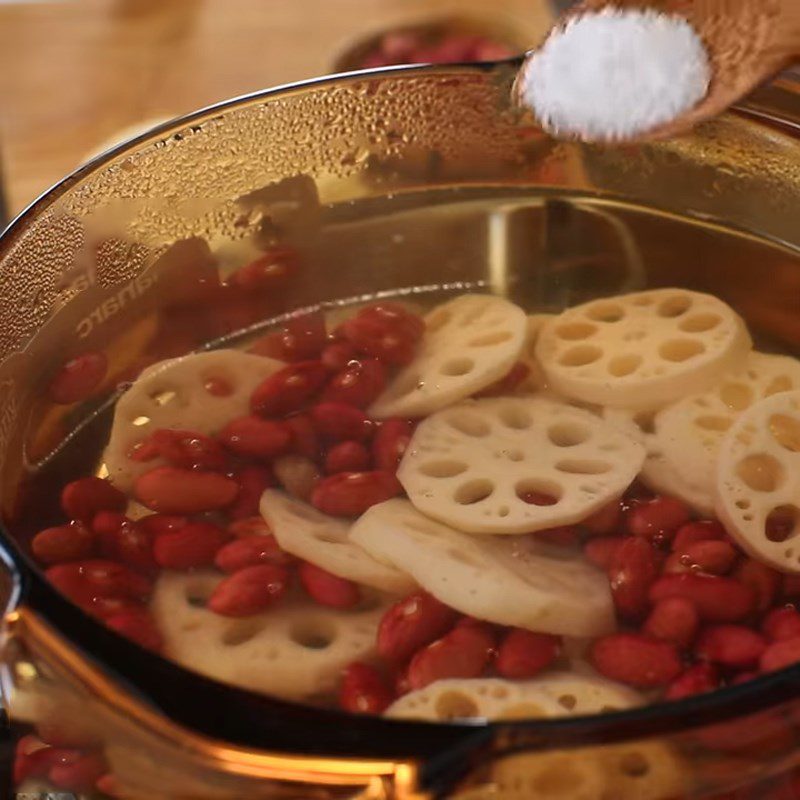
pixel 252 480
pixel 350 494
pixel 337 422
pixel 675 565
pixel 32 759
pixel 249 552
pixel 289 389
pixel 386 331
pixel 174 490
pixel 780 624
pixel 732 646
pixel 270 271
pixel 780 654
pixel 77 771
pixel 137 625
pixel 78 378
pixel 636 660
pixel 697 679
pixel 189 449
pixel 327 589
pixel 194 545
pixel 347 457
pixel 633 570
pixel 390 443
pixel 337 355
pixel 83 498
pixel 83 581
pixel 601 551
pixel 764 581
pixel 674 619
pixel 304 438
pixel 249 591
pixel 363 690
pixel 716 599
pixel 523 654
pixel 508 383
pixel 105 607
pixel 658 519
pixel 465 652
pixel 693 532
pixel 297 475
pixel 303 337
pixel 63 543
pixel 254 437
pixel 358 384
pixel 712 556
pixel 412 623
pixel 606 521
pixel 790 586
pixel 124 540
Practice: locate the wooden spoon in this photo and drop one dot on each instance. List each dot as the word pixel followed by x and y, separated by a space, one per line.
pixel 748 43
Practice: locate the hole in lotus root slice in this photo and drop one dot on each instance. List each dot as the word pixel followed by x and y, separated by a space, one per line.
pixel 475 491
pixel 581 356
pixel 470 342
pixel 240 631
pixel 568 434
pixel 172 394
pixel 453 705
pixel 313 633
pixel 456 367
pixel 526 461
pixel 760 472
pixel 538 492
pixel 785 429
pixel 736 396
pixel 781 524
pixel 468 423
pixel 623 365
pixel 641 358
pixel 585 467
pixel 605 312
pixel 699 323
pixel 574 331
pixel 681 349
pixel 674 305
pixel 443 468
pixel 515 416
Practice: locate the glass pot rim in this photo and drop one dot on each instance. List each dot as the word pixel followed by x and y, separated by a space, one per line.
pixel 335 732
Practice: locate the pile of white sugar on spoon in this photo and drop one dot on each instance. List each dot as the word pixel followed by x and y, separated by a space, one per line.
pixel 613 74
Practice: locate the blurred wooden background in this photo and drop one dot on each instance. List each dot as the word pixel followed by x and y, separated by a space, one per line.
pixel 76 72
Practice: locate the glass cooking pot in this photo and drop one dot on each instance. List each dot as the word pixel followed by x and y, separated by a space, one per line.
pixel 415 181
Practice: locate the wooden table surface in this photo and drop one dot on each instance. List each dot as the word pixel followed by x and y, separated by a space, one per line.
pixel 75 73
